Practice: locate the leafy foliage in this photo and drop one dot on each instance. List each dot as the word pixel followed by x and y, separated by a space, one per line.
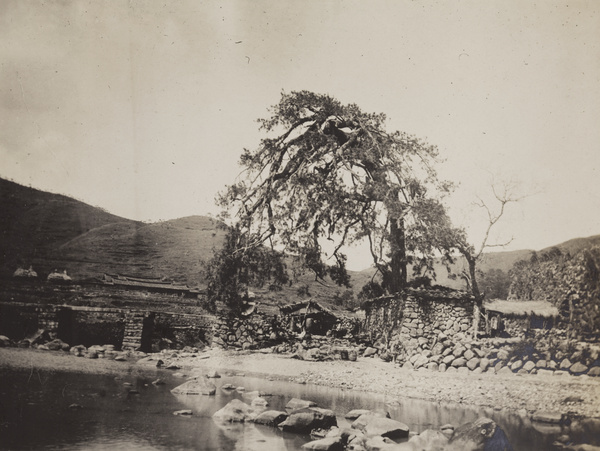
pixel 330 171
pixel 237 266
pixel 570 282
pixel 494 283
pixel 345 299
pixel 370 290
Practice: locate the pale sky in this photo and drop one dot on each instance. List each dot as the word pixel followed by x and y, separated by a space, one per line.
pixel 143 107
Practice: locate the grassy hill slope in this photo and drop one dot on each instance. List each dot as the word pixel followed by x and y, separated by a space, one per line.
pixel 52 231
pixel 33 223
pixel 174 249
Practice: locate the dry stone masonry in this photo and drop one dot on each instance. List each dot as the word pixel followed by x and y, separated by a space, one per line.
pixel 251 332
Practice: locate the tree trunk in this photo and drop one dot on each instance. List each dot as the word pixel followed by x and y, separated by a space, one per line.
pixel 476 294
pixel 398 276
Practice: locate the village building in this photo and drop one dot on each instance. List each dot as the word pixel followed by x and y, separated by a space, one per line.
pixel 308 316
pixel 517 318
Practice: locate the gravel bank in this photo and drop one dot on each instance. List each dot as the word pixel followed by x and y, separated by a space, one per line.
pixel 577 396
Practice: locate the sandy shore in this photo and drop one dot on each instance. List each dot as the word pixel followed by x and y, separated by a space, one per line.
pixel 577 396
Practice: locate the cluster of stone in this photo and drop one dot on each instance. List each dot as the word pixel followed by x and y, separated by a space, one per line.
pixel 322 348
pixel 92 352
pixel 418 319
pixel 254 332
pixel 449 319
pixel 575 363
pixel 492 356
pixel 369 429
pixel 447 356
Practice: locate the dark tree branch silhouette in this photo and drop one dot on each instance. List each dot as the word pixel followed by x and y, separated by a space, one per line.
pixel 330 172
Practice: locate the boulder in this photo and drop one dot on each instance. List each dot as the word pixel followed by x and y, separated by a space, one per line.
pixel 458 351
pixel 565 364
pixel 372 425
pixel 594 371
pixel 296 403
pixel 420 361
pixel 468 354
pixel 502 354
pixel 504 370
pixel 197 386
pixel 433 366
pixel 235 411
pixel 483 434
pixel 484 364
pixel 369 352
pixel 305 420
pixel 213 374
pixel 448 360
pixel 529 365
pixel 460 361
pixel 361 422
pixel 325 444
pixel 354 414
pixel 58 345
pixel 270 417
pixel 78 350
pixel 578 368
pixel 5 341
pixel 430 440
pixel 516 365
pixel 547 417
pixel 447 430
pixel 473 363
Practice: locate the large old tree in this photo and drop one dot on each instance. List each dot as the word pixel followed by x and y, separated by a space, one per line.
pixel 329 172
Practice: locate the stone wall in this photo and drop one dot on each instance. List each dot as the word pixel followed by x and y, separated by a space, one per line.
pixel 92 326
pixel 253 332
pixel 415 320
pixel 183 328
pixel 18 320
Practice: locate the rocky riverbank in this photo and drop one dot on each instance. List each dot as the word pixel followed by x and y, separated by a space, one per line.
pixel 530 394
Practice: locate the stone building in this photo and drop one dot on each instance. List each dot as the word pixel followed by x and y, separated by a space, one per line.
pixel 416 319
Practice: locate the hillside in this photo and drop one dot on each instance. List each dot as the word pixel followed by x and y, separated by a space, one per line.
pixel 576 244
pixel 34 223
pixel 51 231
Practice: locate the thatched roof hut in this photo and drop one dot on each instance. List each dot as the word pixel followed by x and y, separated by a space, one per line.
pixel 521 309
pixel 517 318
pixel 309 316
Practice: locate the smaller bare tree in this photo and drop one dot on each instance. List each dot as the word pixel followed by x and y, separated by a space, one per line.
pixel 472 254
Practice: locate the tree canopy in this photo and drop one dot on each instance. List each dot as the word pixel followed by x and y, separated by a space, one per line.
pixel 329 172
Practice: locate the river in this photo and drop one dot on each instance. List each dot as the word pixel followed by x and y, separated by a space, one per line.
pixel 51 410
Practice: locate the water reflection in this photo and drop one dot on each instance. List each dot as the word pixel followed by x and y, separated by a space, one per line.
pixel 130 413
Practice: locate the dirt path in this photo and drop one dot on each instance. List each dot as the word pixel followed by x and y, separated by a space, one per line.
pixel 564 394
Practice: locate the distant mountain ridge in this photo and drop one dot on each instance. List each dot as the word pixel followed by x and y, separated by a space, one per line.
pixel 52 231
